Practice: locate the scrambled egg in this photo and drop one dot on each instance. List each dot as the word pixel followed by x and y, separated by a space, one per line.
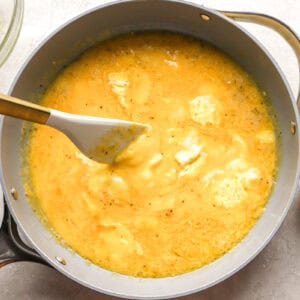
pixel 186 191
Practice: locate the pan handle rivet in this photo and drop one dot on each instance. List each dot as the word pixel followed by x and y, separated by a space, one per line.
pixel 205 17
pixel 61 260
pixel 293 127
pixel 14 193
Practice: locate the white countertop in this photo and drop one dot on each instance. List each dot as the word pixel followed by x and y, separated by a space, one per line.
pixel 275 273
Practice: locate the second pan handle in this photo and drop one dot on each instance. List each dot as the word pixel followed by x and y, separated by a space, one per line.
pixel 12 248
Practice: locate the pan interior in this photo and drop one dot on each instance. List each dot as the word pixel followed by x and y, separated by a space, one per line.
pixel 147 15
pixel 195 192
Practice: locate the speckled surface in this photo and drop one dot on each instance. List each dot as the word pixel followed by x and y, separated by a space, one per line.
pixel 274 274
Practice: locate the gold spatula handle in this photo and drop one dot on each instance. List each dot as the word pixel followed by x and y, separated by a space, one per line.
pixel 21 109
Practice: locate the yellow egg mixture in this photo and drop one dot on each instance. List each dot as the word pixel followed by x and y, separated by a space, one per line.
pixel 189 189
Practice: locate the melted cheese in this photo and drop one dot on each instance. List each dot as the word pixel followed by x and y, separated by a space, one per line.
pixel 186 191
pixel 119 83
pixel 266 136
pixel 205 110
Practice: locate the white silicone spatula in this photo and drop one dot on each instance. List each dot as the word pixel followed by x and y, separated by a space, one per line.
pixel 100 139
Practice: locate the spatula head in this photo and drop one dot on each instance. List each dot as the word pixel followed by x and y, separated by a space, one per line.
pixel 112 143
pixel 99 139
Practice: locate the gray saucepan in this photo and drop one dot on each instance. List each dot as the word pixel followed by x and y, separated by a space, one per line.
pixel 219 29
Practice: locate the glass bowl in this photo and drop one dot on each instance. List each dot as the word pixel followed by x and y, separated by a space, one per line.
pixel 11 16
